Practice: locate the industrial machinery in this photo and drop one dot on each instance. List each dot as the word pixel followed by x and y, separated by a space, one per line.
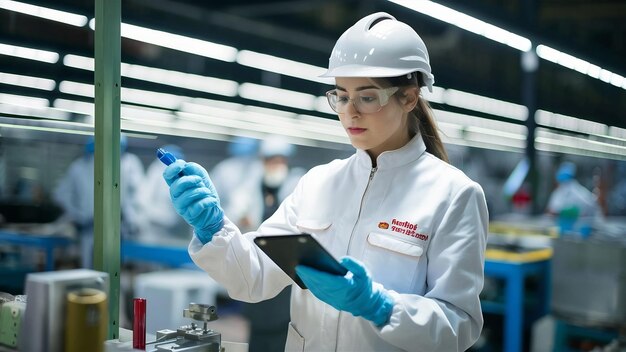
pixel 589 290
pixel 589 281
pixel 186 338
pixel 191 338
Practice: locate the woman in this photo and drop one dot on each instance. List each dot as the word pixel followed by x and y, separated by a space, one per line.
pixel 411 228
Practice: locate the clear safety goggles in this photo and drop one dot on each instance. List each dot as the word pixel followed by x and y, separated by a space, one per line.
pixel 367 101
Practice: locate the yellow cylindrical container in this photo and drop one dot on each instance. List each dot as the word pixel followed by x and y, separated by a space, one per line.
pixel 86 320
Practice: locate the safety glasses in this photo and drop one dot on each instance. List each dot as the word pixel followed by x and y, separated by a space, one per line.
pixel 367 101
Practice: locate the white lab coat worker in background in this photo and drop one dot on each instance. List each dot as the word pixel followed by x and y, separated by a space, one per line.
pixel 265 187
pixel 75 194
pixel 575 207
pixel 160 222
pixel 242 162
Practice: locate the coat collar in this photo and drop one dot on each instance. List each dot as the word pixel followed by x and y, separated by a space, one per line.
pixel 393 158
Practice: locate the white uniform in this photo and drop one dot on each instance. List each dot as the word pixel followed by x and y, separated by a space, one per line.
pixel 573 194
pixel 75 194
pixel 418 224
pixel 246 200
pixel 160 222
pixel 231 173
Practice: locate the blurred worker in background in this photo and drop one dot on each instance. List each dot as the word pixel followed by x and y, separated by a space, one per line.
pixel 230 173
pixel 255 200
pixel 160 222
pixel 260 193
pixel 411 228
pixel 574 206
pixel 616 202
pixel 75 194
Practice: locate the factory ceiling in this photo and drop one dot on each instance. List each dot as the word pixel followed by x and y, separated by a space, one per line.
pixel 305 31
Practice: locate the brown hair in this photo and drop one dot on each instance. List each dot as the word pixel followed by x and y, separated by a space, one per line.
pixel 421 119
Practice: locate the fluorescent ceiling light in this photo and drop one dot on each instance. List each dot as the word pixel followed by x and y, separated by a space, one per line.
pixel 139 113
pixel 282 66
pixel 23 100
pixel 285 115
pixel 180 79
pixel 27 81
pixel 167 77
pixel 34 111
pixel 223 122
pixel 80 62
pixel 467 22
pixel 180 42
pixel 28 53
pixel 178 128
pixel 437 96
pixel 473 131
pixel 550 119
pixel 491 137
pixel 45 129
pixel 205 109
pixel 76 88
pixel 217 103
pixel 558 57
pixel 452 133
pixel 292 120
pixel 155 99
pixel 488 105
pixel 513 130
pixel 136 96
pixel 44 12
pixel 547 140
pixel 177 42
pixel 81 107
pixel 321 105
pixel 617 80
pixel 617 132
pixel 277 96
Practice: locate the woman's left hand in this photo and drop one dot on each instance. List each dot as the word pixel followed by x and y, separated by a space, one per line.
pixel 353 293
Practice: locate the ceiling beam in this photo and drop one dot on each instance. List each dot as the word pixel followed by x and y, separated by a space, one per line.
pixel 588 11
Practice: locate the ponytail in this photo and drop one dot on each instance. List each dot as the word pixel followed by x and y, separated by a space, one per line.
pixel 427 127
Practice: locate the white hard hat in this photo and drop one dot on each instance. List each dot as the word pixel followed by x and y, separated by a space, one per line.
pixel 276 146
pixel 378 45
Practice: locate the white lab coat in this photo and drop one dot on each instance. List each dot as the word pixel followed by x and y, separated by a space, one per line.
pixel 75 194
pixel 417 223
pixel 231 173
pixel 573 194
pixel 160 222
pixel 246 200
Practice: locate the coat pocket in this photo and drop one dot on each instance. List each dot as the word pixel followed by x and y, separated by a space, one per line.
pixel 394 262
pixel 313 226
pixel 395 245
pixel 295 341
pixel 320 229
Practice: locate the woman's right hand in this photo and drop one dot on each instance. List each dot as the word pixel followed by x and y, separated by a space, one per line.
pixel 195 198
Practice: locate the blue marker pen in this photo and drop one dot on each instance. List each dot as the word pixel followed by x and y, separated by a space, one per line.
pixel 166 157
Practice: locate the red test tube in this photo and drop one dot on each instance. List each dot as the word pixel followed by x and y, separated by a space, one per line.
pixel 139 323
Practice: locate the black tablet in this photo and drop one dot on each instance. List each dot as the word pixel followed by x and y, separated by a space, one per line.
pixel 287 251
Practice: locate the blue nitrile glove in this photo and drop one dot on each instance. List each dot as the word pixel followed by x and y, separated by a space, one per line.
pixel 354 293
pixel 195 198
